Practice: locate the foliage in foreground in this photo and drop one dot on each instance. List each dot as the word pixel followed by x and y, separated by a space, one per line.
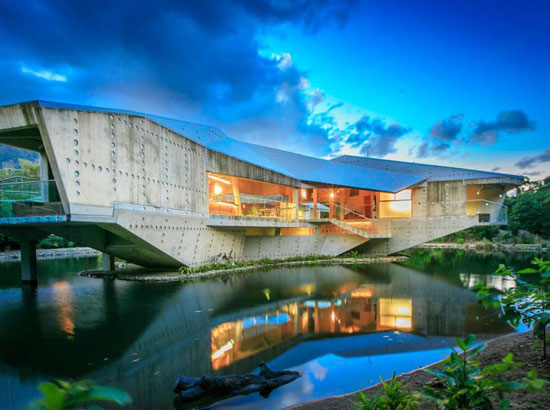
pixel 467 385
pixel 394 398
pixel 462 384
pixel 528 301
pixel 62 395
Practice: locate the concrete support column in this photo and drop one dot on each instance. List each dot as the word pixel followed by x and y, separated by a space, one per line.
pixel 44 176
pixel 107 262
pixel 315 215
pixel 236 195
pixel 342 202
pixel 28 262
pixel 296 201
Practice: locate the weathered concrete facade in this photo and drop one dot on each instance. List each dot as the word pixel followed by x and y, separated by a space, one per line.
pixel 141 188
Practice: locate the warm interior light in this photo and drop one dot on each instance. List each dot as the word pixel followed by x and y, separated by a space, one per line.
pixel 215 178
pixel 222 350
pixel 403 309
pixel 304 195
pixel 401 206
pixel 403 195
pixel 331 195
pixel 217 189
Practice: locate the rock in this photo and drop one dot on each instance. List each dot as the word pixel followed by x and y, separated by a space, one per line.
pixel 193 388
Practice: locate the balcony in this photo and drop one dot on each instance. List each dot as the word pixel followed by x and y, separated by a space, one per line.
pixel 24 198
pixel 487 212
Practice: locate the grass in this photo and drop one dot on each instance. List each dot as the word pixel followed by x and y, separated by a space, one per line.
pixel 186 270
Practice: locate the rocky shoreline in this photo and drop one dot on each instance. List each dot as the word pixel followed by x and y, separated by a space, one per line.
pixel 137 273
pixel 42 254
pixel 481 246
pixel 520 344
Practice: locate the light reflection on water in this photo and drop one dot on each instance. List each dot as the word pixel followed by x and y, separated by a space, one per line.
pixel 341 326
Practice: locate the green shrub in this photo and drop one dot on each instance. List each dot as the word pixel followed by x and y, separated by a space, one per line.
pixel 62 395
pixel 467 385
pixel 394 398
pixel 352 254
pixel 528 301
pixel 185 270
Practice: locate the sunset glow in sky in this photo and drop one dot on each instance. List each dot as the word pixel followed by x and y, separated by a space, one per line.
pixel 458 83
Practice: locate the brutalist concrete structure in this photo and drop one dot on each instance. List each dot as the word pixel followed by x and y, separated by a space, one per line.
pixel 161 192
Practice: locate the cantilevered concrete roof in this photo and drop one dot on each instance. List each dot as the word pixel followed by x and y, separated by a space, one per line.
pixel 431 172
pixel 297 166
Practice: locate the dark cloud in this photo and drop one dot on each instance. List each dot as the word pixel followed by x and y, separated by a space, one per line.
pixel 199 60
pixel 447 129
pixel 445 133
pixel 527 162
pixel 441 135
pixel 374 136
pixel 495 169
pixel 511 121
pixel 433 149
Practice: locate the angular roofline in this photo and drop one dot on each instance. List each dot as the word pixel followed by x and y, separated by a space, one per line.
pixel 105 110
pixel 382 160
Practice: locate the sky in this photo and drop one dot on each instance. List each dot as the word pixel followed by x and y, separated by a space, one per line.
pixel 459 83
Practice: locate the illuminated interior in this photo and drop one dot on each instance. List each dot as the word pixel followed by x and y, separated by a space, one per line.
pixel 397 205
pixel 241 197
pixel 245 197
pixel 396 313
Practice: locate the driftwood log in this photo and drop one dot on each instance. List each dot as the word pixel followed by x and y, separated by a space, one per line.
pixel 193 388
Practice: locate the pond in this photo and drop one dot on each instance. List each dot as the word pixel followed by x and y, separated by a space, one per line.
pixel 342 326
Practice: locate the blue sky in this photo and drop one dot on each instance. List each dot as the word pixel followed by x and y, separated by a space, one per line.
pixel 456 82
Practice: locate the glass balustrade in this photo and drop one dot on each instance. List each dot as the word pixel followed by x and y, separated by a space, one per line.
pixel 487 211
pixel 29 198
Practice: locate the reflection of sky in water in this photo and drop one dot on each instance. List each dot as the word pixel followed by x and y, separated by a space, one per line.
pixel 321 304
pixel 341 326
pixel 279 319
pixel 331 373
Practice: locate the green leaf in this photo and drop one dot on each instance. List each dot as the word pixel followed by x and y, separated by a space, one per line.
pixel 106 393
pixel 54 397
pixel 528 270
pixel 470 340
pixel 432 394
pixel 504 404
pixel 461 344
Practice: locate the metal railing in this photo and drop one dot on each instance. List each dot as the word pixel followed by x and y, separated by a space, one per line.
pixel 253 206
pixel 29 198
pixel 323 212
pixel 488 212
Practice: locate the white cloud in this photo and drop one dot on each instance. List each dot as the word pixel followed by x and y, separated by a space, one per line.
pixel 45 74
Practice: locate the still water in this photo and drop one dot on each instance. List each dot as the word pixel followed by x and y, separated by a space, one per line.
pixel 342 326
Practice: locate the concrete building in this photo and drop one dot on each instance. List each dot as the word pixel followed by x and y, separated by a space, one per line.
pixel 161 192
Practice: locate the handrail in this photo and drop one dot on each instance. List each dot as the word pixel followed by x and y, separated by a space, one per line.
pixel 356 213
pixel 348 210
pixel 33 181
pixel 486 200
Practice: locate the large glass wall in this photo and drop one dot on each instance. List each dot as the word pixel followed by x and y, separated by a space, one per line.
pixel 241 197
pixel 249 198
pixel 397 205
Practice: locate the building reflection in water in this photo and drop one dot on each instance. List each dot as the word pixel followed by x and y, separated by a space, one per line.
pixel 62 298
pixel 357 311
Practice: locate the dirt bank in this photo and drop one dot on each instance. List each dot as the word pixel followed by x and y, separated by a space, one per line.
pixel 517 247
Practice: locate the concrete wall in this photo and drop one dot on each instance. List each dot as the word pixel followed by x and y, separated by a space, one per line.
pixel 137 190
